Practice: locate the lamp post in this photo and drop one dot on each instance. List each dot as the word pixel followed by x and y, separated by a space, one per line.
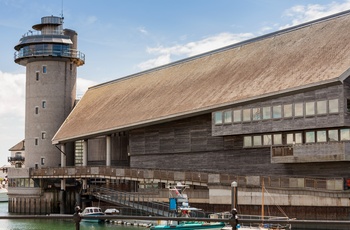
pixel 234 195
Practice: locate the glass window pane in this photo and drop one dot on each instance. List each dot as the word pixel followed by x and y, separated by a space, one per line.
pixel 321 136
pixel 246 115
pixel 298 110
pixel 247 142
pixel 287 110
pixel 237 117
pixel 256 114
pixel 277 139
pixel 310 137
pixel 333 106
pixel 298 138
pixel 321 107
pixel 257 140
pixel 218 117
pixel 228 116
pixel 277 111
pixel 333 135
pixel 290 138
pixel 345 134
pixel 267 140
pixel 309 108
pixel 267 113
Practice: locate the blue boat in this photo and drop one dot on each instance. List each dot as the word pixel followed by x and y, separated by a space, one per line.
pixel 191 225
pixel 92 211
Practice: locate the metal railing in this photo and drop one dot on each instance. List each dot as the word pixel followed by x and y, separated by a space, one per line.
pixel 50 52
pixel 138 201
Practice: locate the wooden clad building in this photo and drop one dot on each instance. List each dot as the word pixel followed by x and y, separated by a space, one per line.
pixel 274 105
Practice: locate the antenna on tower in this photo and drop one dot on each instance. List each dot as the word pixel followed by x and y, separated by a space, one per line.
pixel 62 9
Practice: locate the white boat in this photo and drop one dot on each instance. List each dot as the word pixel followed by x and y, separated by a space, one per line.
pixel 92 211
pixel 263 218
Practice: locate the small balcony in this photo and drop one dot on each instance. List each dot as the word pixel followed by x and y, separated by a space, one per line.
pixel 308 153
pixel 15 159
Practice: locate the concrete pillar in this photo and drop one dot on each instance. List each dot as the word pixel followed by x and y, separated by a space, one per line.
pixel 108 150
pixel 62 201
pixel 85 152
pixel 63 155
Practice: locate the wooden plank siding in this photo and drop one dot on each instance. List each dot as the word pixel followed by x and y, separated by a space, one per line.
pixel 219 154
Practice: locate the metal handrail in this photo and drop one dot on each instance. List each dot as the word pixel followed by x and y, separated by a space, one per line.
pixel 71 53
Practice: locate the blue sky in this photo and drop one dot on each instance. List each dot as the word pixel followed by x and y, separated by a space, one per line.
pixel 122 37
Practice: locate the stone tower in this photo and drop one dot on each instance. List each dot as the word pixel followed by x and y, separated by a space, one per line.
pixel 50 56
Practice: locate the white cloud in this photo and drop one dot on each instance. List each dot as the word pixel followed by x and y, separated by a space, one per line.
pixel 83 85
pixel 91 20
pixel 143 30
pixel 304 13
pixel 12 94
pixel 167 54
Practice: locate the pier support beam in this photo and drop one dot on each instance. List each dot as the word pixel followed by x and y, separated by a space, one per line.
pixel 85 152
pixel 62 201
pixel 108 150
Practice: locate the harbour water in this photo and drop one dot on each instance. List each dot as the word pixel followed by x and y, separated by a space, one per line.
pixel 54 224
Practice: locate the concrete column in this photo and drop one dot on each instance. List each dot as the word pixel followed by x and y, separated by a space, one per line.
pixel 108 150
pixel 63 155
pixel 85 152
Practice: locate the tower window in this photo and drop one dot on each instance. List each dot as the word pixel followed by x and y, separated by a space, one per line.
pixel 71 66
pixel 43 135
pixel 36 141
pixel 42 161
pixel 37 76
pixel 44 69
pixel 43 104
pixel 36 110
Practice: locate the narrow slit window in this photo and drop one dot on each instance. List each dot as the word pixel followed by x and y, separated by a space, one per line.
pixel 43 104
pixel 36 110
pixel 44 69
pixel 42 161
pixel 37 76
pixel 36 141
pixel 43 135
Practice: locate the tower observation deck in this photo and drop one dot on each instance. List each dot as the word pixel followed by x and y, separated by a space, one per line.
pixel 48 39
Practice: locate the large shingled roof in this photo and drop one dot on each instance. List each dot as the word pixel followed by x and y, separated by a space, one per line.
pixel 310 54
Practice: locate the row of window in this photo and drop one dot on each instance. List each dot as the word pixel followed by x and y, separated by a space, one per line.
pixel 22 182
pixel 312 136
pixel 37 73
pixel 310 108
pixel 43 105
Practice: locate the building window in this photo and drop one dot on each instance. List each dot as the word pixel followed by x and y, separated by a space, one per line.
pixel 309 108
pixel 321 107
pixel 37 76
pixel 36 141
pixel 310 137
pixel 228 116
pixel 71 66
pixel 237 115
pixel 218 118
pixel 36 110
pixel 43 135
pixel 277 111
pixel 298 110
pixel 345 134
pixel 246 115
pixel 267 139
pixel 333 106
pixel 288 110
pixel 44 69
pixel 42 161
pixel 266 112
pixel 277 139
pixel 257 140
pixel 256 114
pixel 247 141
pixel 43 104
pixel 290 138
pixel 333 135
pixel 321 136
pixel 298 138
